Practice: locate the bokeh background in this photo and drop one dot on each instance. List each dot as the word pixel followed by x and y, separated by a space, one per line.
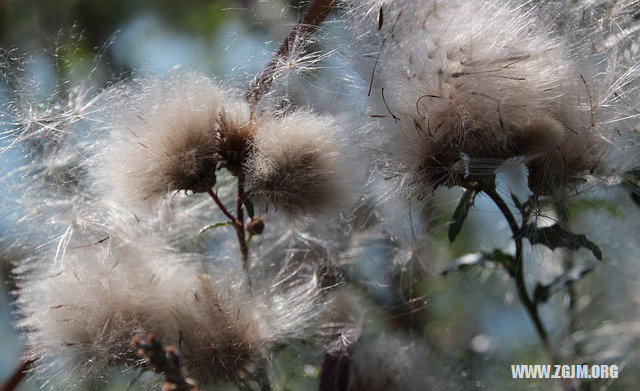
pixel 473 316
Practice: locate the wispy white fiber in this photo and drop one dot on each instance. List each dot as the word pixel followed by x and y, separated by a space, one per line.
pixel 299 164
pixel 458 87
pixel 163 136
pixel 98 285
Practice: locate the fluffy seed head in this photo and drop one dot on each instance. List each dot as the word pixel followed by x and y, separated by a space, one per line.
pixel 297 164
pixel 89 294
pixel 461 86
pixel 171 135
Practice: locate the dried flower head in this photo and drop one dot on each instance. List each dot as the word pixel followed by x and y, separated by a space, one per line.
pixel 171 135
pixel 85 296
pixel 297 164
pixel 461 86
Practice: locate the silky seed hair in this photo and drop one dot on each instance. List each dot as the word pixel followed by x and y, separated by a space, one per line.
pixel 458 87
pixel 298 165
pixel 169 135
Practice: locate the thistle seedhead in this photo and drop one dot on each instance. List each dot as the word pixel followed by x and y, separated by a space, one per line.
pixel 170 135
pixel 234 139
pixel 297 165
pixel 459 87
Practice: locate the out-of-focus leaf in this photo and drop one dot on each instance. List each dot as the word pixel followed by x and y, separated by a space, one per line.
pixel 481 258
pixel 517 202
pixel 544 291
pixel 215 225
pixel 335 371
pixel 585 205
pixel 460 214
pixel 556 236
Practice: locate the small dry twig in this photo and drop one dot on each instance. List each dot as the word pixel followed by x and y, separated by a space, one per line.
pixel 18 375
pixel 315 15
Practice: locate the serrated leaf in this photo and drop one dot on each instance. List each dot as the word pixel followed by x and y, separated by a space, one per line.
pixel 215 225
pixel 556 236
pixel 249 206
pixel 481 258
pixel 460 214
pixel 543 291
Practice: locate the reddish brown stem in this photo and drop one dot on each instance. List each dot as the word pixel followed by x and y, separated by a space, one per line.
pixel 223 208
pixel 18 375
pixel 238 222
pixel 164 361
pixel 313 17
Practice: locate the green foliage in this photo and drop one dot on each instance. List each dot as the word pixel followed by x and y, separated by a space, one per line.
pixel 481 258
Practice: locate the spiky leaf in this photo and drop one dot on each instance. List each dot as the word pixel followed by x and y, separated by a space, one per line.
pixel 544 291
pixel 482 258
pixel 249 206
pixel 556 236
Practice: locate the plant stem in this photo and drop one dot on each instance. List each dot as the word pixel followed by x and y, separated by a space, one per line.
pixel 313 17
pixel 238 223
pixel 517 271
pixel 18 375
pixel 224 210
pixel 240 231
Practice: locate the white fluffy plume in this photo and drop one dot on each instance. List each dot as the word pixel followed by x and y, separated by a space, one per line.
pixel 164 136
pixel 299 164
pixel 88 293
pixel 458 87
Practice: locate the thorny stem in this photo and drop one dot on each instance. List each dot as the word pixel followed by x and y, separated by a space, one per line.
pixel 313 17
pixel 563 217
pixel 570 294
pixel 517 271
pixel 18 375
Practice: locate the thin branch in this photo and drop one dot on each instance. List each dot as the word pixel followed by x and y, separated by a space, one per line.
pixel 240 231
pixel 164 361
pixel 18 375
pixel 224 209
pixel 238 223
pixel 313 17
pixel 517 272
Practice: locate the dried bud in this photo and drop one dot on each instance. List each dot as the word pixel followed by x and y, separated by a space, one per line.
pixel 255 225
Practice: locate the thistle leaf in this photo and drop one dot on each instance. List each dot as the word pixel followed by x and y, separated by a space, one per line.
pixel 556 236
pixel 460 214
pixel 482 258
pixel 543 291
